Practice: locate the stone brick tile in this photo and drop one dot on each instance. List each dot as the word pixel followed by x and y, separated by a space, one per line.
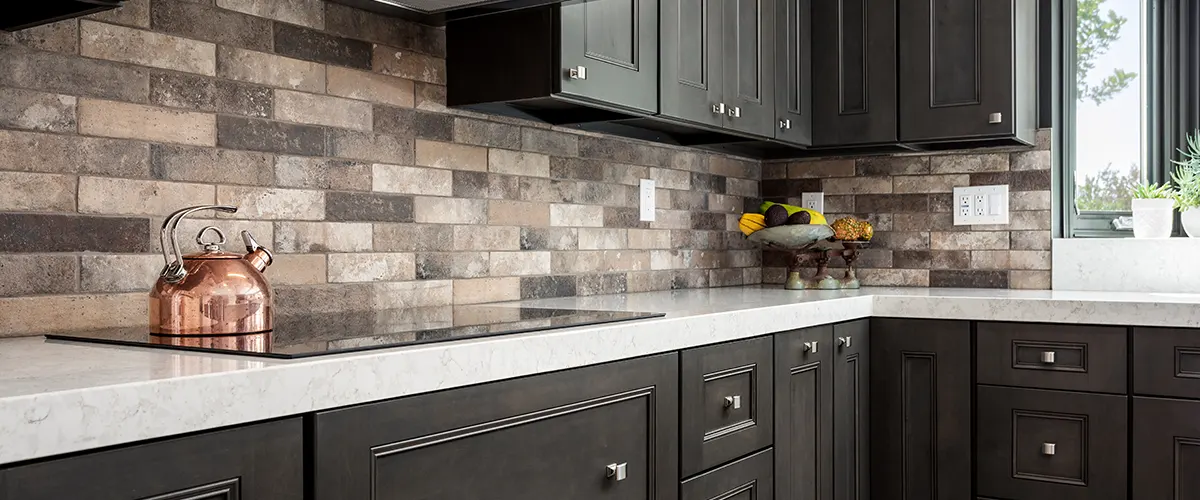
pixel 649 239
pixel 224 27
pixel 20 316
pixel 690 161
pixel 134 121
pixel 364 267
pixel 969 163
pixel 598 193
pixel 120 273
pixel 412 180
pixel 410 294
pixel 752 275
pixel 371 147
pixel 408 64
pixel 926 221
pixel 902 240
pixel 672 219
pixel 968 279
pixel 929 183
pixel 297 269
pixel 549 238
pixel 1029 280
pixel 224 166
pixel 181 90
pixel 627 217
pixel 579 168
pixel 334 298
pixel 145 48
pixel 479 291
pixel 368 86
pixel 372 207
pixel 650 281
pixel 603 239
pixel 309 13
pixel 543 287
pixel 734 167
pixel 1030 240
pixel 273 203
pixel 413 237
pixel 690 279
pixel 62 36
pixel 671 179
pixel 439 266
pixel 742 187
pixel 1021 221
pixel 774 275
pixel 697 239
pixel 99 195
pixel 894 277
pixel 549 142
pixel 486 133
pixel 132 13
pixel 363 25
pixel 1029 200
pixel 576 215
pixel 941 202
pixel 518 213
pixel 621 173
pixel 893 165
pixel 415 123
pixel 990 259
pixel 708 183
pixel 778 170
pixel 520 263
pixel 1031 160
pixel 450 210
pixel 469 184
pixel 624 151
pixel 1029 259
pixel 895 203
pixel 73 233
pixel 315 109
pixel 602 261
pixel 37 110
pixel 991 178
pixel 820 169
pixel 316 237
pixel 504 161
pixel 430 97
pixel 1031 180
pixel 20 191
pixel 452 156
pixel 322 173
pixel 70 74
pixel 37 274
pixel 724 203
pixel 857 185
pixel 790 187
pixel 487 238
pixel 708 221
pixel 601 284
pixel 973 240
pixel 311 45
pixel 686 200
pixel 269 69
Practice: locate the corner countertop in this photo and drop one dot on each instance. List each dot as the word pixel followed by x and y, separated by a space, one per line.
pixel 60 397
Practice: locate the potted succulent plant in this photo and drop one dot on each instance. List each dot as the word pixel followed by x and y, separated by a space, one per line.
pixel 1153 212
pixel 1187 182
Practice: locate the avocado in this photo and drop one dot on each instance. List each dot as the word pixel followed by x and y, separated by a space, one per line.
pixel 801 217
pixel 776 216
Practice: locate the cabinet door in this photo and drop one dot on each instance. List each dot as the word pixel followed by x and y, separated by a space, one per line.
pixel 793 71
pixel 727 402
pixel 746 479
pixel 920 409
pixel 615 42
pixel 749 66
pixel 804 416
pixel 1166 449
pixel 1166 362
pixel 854 72
pixel 691 47
pixel 956 68
pixel 602 432
pixel 260 461
pixel 850 411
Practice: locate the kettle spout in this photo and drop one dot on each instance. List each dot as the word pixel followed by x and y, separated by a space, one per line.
pixel 259 256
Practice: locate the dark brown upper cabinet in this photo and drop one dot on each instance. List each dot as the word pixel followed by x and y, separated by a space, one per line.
pixel 968 71
pixel 574 62
pixel 854 72
pixel 793 71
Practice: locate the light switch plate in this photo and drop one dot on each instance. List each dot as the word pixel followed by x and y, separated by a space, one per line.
pixel 980 205
pixel 647 200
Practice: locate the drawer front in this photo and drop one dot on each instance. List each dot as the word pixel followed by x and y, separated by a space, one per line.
pixel 1051 445
pixel 1068 357
pixel 1166 362
pixel 747 479
pixel 726 403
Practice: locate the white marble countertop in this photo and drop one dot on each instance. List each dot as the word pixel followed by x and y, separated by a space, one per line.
pixel 58 397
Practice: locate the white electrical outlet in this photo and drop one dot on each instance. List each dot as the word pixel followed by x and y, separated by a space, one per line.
pixel 981 205
pixel 647 200
pixel 813 201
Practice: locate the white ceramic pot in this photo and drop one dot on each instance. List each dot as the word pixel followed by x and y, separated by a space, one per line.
pixel 1191 222
pixel 1153 218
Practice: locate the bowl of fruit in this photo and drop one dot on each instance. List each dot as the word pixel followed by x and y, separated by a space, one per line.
pixel 811 240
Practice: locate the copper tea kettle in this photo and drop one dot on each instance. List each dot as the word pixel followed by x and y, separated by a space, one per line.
pixel 211 292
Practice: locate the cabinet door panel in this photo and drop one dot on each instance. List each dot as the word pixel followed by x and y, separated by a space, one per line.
pixel 793 71
pixel 716 428
pixel 851 415
pixel 749 65
pixel 616 41
pixel 854 68
pixel 1166 449
pixel 691 48
pixel 804 423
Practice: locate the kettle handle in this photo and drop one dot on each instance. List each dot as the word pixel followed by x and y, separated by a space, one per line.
pixel 173 271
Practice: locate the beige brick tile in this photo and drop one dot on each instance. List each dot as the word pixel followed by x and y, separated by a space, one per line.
pixel 278 204
pixel 603 239
pixel 147 123
pixel 1031 160
pixel 363 267
pixel 649 238
pixel 379 148
pixel 671 219
pixel 724 203
pixel 212 166
pixel 518 213
pixel 322 173
pixel 37 274
pixel 975 240
pixel 309 13
pixel 504 161
pixel 1029 280
pixel 300 107
pixel 21 316
pixel 478 291
pixel 446 265
pixel 602 261
pixel 310 237
pixel 1030 240
pixel 146 48
pixel 37 192
pixel 820 169
pixel 449 210
pixel 131 13
pixel 487 238
pixel 969 163
pixel 99 195
pixel 858 185
pixel 891 277
pixel 119 273
pixel 37 110
pixel 268 69
pixel 368 86
pixel 412 180
pixel 929 183
pixel 1029 200
pixel 1020 221
pixel 576 215
pixel 401 295
pixel 409 64
pixel 520 263
pixel 451 156
pixel 742 187
pixel 665 178
pixel 297 269
pixel 1029 259
pixel 990 259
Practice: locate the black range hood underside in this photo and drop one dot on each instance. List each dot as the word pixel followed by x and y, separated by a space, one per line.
pixel 440 12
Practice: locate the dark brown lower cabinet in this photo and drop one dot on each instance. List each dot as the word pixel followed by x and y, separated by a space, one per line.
pixel 746 479
pixel 260 462
pixel 851 414
pixel 1166 449
pixel 601 432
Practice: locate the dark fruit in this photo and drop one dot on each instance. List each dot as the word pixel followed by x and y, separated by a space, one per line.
pixel 799 218
pixel 776 216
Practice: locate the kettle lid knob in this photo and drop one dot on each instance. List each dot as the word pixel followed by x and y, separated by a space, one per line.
pixel 210 246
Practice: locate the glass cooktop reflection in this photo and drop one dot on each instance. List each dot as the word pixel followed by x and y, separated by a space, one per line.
pixel 299 336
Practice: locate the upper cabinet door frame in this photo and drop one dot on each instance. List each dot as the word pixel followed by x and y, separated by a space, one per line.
pixel 691 60
pixel 749 67
pixel 793 70
pixel 616 44
pixel 854 87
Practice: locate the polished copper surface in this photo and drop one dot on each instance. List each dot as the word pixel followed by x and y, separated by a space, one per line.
pixel 255 342
pixel 221 294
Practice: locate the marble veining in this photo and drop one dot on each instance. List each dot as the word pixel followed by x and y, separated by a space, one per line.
pixel 62 397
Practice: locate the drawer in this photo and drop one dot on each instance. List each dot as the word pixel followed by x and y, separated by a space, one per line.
pixel 747 479
pixel 1068 357
pixel 1051 445
pixel 726 403
pixel 1166 362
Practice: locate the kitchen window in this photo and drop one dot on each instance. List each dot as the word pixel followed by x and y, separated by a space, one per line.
pixel 1126 98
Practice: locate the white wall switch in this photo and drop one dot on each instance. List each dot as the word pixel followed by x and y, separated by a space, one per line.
pixel 647 197
pixel 813 201
pixel 980 205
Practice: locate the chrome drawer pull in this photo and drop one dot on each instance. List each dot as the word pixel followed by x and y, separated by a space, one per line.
pixel 577 73
pixel 1048 357
pixel 810 347
pixel 719 108
pixel 734 402
pixel 844 341
pixel 617 472
pixel 1048 449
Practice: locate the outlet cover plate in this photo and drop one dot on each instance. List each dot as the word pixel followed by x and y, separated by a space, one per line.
pixel 646 198
pixel 982 205
pixel 813 201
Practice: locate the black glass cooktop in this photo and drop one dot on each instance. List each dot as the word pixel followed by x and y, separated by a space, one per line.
pixel 306 335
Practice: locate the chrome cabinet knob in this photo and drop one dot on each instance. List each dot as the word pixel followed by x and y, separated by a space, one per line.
pixel 719 108
pixel 617 472
pixel 785 124
pixel 735 112
pixel 1048 357
pixel 733 402
pixel 577 73
pixel 1048 449
pixel 810 347
pixel 995 118
pixel 845 341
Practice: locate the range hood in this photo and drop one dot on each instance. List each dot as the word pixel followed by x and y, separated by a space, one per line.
pixel 439 12
pixel 48 11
